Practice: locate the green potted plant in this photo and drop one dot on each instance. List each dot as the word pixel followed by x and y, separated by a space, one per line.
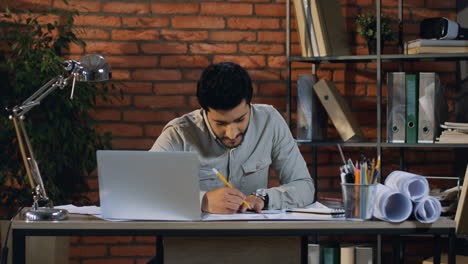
pixel 367 29
pixel 61 130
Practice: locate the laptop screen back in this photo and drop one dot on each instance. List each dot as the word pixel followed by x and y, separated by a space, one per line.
pixel 143 185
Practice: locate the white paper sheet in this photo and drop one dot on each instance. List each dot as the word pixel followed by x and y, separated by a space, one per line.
pixel 391 206
pixel 427 210
pixel 266 215
pixel 73 209
pixel 412 185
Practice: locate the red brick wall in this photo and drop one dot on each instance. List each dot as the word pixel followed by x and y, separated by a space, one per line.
pixel 157 50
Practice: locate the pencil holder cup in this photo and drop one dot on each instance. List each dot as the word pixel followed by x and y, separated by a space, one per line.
pixel 359 200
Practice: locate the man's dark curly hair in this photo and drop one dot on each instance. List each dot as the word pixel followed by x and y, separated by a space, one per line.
pixel 223 86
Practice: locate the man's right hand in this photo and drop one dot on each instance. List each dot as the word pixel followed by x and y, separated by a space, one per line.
pixel 223 200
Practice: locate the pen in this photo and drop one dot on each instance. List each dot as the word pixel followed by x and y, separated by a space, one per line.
pixel 228 185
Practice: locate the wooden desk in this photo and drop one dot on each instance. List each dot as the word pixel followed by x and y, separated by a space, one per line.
pixel 89 225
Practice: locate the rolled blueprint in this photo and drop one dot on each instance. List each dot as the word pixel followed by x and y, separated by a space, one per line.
pixel 414 186
pixel 427 210
pixel 391 205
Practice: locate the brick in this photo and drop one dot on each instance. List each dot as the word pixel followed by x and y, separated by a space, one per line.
pixel 198 22
pixel 232 36
pixel 74 48
pixel 121 130
pixel 244 61
pixel 193 102
pixel 264 75
pixel 106 114
pixel 185 8
pixel 92 33
pixel 420 14
pixel 113 100
pixel 278 103
pixel 253 23
pixel 132 61
pixel 145 239
pixel 148 116
pixel 206 48
pixel 81 6
pixel 145 22
pixel 184 61
pixel 441 4
pixel 272 89
pixel 32 6
pixel 109 261
pixel 227 9
pixel 132 144
pixel 93 184
pixel 277 62
pixel 87 251
pixel 272 36
pixel 102 21
pixel 106 239
pixel 191 75
pixel 151 131
pixel 175 88
pixel 114 47
pixel 184 35
pixel 156 75
pixel 135 34
pixel 120 74
pixel 126 8
pixel 133 87
pixel 164 48
pixel 262 48
pixel 273 10
pixel 159 101
pixel 136 250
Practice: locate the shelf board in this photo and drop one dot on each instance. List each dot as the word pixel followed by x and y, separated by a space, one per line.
pixel 423 145
pixel 331 144
pixel 384 57
pixel 374 144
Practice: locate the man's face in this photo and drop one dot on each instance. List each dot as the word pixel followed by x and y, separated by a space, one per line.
pixel 230 125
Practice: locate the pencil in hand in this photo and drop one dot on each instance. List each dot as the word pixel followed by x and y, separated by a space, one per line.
pixel 229 185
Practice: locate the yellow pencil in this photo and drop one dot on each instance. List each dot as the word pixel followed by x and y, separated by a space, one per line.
pixel 228 185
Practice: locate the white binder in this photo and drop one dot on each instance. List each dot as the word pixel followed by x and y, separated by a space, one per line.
pixel 432 107
pixel 396 107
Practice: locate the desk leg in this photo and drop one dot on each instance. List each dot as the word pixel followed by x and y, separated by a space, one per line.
pixel 160 250
pixel 19 247
pixel 304 249
pixel 379 249
pixel 437 249
pixel 397 252
pixel 451 248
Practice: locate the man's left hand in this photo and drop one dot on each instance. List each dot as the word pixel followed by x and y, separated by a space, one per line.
pixel 256 203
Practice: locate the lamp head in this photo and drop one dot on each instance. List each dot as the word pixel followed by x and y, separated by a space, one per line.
pixel 94 68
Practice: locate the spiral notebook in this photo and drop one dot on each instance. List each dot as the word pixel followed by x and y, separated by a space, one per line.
pixel 318 208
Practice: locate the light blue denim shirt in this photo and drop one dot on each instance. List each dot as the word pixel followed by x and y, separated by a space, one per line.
pixel 267 143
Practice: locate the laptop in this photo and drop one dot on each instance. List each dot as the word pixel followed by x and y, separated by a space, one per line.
pixel 143 185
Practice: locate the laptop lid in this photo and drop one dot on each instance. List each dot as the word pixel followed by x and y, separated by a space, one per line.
pixel 143 185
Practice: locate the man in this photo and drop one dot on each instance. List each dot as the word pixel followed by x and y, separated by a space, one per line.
pixel 242 141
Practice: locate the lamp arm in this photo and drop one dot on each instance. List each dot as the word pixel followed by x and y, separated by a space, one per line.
pixel 27 153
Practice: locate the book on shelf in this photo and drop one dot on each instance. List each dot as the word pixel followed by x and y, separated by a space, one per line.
pixel 364 254
pixel 453 133
pixel 303 29
pixel 330 253
pixel 412 108
pixel 436 43
pixel 436 49
pixel 313 253
pixel 329 27
pixel 444 259
pixel 347 254
pixel 396 107
pixel 338 111
pixel 420 46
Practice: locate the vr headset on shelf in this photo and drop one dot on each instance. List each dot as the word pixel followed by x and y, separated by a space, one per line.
pixel 442 28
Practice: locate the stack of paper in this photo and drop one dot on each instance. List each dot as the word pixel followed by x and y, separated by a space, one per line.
pixel 454 133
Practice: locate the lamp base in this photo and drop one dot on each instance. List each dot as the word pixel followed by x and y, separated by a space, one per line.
pixel 45 214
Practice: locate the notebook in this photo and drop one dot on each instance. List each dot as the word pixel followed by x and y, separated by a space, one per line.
pixel 143 185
